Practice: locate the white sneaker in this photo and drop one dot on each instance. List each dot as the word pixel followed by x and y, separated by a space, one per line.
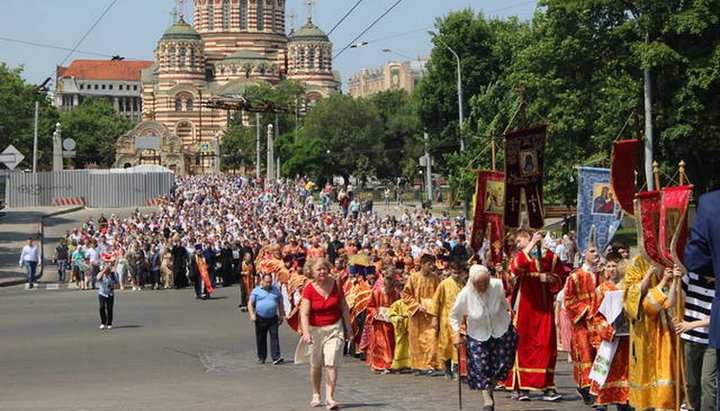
pixel 102 326
pixel 109 327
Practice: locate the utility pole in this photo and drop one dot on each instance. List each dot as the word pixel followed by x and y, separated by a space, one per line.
pixel 257 145
pixel 35 134
pixel 428 168
pixel 648 131
pixel 270 153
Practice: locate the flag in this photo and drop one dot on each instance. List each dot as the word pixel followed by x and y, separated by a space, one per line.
pixel 524 163
pixel 673 223
pixel 647 211
pixel 624 160
pixel 598 212
pixel 488 214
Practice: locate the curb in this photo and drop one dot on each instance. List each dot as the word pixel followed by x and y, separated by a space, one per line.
pixel 40 232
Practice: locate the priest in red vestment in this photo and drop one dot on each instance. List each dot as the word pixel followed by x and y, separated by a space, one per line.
pixel 537 278
pixel 381 347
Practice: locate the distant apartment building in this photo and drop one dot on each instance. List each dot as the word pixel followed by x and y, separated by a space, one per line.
pixel 116 81
pixel 391 76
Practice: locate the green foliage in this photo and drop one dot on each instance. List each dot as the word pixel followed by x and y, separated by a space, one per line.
pixel 17 111
pixel 581 65
pixel 95 127
pixel 337 132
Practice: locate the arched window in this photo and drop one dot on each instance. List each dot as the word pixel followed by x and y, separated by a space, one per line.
pixel 183 56
pixel 178 103
pixel 189 104
pixel 301 58
pixel 260 15
pixel 211 15
pixel 173 57
pixel 243 14
pixel 193 58
pixel 321 59
pixel 262 70
pixel 226 15
pixel 311 59
pixel 273 26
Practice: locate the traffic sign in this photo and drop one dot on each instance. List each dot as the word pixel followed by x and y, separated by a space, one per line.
pixel 69 144
pixel 11 157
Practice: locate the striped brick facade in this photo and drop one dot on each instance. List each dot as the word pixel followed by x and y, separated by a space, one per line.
pixel 231 44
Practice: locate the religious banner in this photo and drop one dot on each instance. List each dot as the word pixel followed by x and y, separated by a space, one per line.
pixel 673 231
pixel 598 212
pixel 647 211
pixel 624 160
pixel 488 214
pixel 524 162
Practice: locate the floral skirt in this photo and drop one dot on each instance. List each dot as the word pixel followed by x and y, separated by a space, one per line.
pixel 490 361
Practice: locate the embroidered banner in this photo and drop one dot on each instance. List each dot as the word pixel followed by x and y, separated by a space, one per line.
pixel 624 161
pixel 524 163
pixel 488 213
pixel 598 212
pixel 674 224
pixel 647 211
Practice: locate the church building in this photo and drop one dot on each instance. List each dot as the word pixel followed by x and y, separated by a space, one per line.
pixel 231 45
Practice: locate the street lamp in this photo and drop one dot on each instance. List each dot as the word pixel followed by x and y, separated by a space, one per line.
pixel 459 86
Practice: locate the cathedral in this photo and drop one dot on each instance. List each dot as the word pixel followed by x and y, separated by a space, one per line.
pixel 231 45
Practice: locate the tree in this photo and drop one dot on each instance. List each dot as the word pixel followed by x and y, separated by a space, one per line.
pixel 401 139
pixel 95 127
pixel 335 133
pixel 17 110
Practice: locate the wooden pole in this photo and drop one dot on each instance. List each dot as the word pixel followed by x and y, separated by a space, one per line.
pixel 492 148
pixel 679 316
pixel 682 172
pixel 459 379
pixel 656 174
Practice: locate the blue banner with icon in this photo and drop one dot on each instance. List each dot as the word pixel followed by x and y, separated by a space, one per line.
pixel 598 211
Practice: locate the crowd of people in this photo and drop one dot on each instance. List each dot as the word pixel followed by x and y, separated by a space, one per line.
pixel 406 295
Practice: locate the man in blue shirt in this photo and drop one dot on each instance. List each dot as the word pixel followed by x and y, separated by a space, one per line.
pixel 702 256
pixel 266 311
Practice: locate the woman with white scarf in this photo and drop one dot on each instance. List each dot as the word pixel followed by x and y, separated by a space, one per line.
pixel 490 337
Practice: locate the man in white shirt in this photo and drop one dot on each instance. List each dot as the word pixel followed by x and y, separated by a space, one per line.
pixel 30 258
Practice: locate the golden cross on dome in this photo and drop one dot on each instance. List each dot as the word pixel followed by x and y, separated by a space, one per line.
pixel 173 15
pixel 310 4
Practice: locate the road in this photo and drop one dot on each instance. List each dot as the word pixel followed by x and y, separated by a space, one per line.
pixel 171 351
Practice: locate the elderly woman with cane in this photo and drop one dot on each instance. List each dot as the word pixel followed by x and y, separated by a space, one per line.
pixel 325 322
pixel 491 339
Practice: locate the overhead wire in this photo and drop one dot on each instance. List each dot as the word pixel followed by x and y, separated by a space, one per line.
pixel 345 16
pixel 50 46
pixel 368 28
pixel 87 33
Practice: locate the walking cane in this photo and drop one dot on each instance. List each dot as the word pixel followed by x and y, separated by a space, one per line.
pixel 459 378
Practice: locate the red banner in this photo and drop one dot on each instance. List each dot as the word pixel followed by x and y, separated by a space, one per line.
pixel 622 174
pixel 647 210
pixel 674 224
pixel 488 214
pixel 524 164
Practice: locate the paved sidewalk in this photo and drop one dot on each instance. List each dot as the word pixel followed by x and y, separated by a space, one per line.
pixel 15 227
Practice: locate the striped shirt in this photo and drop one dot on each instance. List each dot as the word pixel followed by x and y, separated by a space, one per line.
pixel 700 294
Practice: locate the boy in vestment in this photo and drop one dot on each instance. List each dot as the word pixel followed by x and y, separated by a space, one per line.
pixel 417 295
pixel 580 303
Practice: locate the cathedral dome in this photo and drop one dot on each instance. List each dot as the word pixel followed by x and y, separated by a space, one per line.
pixel 309 33
pixel 180 31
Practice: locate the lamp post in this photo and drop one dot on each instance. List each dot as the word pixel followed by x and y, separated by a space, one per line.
pixel 459 86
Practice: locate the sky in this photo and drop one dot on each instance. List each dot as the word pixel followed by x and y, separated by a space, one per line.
pixel 131 28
